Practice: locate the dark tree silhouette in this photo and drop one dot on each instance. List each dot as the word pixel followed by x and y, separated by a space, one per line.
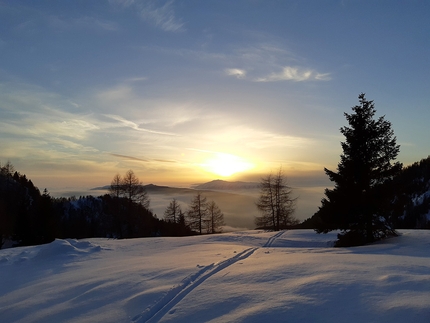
pixel 197 213
pixel 215 218
pixel 275 203
pixel 173 212
pixel 358 205
pixel 116 186
pixel 133 189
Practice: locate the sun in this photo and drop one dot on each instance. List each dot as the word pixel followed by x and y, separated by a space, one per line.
pixel 226 165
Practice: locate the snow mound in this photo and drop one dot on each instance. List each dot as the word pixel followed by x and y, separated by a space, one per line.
pixel 66 248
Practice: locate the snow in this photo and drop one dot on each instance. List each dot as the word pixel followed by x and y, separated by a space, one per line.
pixel 249 276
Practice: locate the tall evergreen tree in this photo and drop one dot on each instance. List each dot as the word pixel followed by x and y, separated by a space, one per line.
pixel 357 205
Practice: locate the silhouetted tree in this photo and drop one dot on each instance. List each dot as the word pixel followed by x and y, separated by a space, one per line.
pixel 358 205
pixel 173 212
pixel 197 213
pixel 275 203
pixel 116 186
pixel 128 191
pixel 134 190
pixel 215 218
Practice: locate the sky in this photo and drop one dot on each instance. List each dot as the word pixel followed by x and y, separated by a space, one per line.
pixel 185 92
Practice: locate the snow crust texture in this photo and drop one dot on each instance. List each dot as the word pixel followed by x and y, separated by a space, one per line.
pixel 249 276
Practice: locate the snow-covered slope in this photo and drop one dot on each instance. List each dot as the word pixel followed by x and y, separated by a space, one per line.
pixel 251 276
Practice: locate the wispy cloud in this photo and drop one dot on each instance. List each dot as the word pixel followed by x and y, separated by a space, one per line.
pixel 126 157
pixel 240 74
pixel 130 124
pixel 84 22
pixel 163 17
pixel 295 74
pixel 129 157
pixel 136 79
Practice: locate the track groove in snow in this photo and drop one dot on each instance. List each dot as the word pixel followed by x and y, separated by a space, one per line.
pixel 272 239
pixel 156 312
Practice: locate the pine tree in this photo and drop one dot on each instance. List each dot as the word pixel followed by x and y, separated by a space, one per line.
pixel 357 205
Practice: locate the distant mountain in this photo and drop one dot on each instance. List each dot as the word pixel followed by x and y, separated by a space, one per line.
pixel 216 185
pixel 151 188
pixel 221 185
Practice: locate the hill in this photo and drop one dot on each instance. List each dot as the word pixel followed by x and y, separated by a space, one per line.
pixel 250 276
pixel 221 185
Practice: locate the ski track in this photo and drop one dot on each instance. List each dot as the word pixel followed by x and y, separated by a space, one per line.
pixel 157 311
pixel 272 239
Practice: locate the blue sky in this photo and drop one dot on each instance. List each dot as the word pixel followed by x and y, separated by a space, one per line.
pixel 179 91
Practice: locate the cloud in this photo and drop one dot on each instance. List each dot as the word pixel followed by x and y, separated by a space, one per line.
pixel 295 74
pixel 141 159
pixel 130 124
pixel 129 157
pixel 136 79
pixel 240 74
pixel 84 22
pixel 163 17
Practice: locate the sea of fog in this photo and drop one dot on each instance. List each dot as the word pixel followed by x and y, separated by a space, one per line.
pixel 238 206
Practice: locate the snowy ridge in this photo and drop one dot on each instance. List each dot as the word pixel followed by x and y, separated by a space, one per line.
pixel 56 250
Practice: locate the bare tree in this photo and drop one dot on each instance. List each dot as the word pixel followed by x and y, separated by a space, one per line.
pixel 197 213
pixel 173 212
pixel 275 203
pixel 116 189
pixel 134 190
pixel 215 219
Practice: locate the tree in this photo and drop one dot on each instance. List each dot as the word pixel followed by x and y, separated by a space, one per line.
pixel 133 189
pixel 215 219
pixel 357 204
pixel 7 169
pixel 173 212
pixel 129 187
pixel 197 213
pixel 275 203
pixel 128 191
pixel 116 188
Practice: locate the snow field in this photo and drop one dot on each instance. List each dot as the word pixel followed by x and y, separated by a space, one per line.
pixel 250 276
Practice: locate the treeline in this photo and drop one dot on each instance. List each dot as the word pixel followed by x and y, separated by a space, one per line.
pixel 412 197
pixel 410 206
pixel 29 217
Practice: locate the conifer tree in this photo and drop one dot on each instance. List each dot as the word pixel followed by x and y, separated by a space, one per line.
pixel 357 205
